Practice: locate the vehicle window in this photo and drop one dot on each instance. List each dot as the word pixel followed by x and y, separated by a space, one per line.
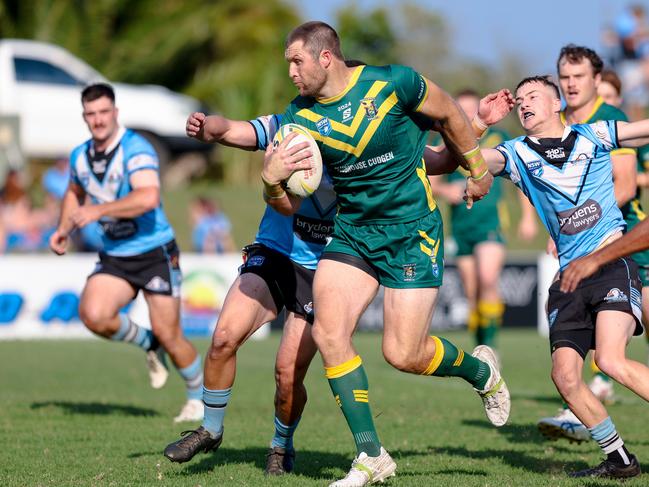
pixel 34 71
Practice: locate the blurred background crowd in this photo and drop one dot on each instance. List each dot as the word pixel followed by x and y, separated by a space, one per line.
pixel 220 53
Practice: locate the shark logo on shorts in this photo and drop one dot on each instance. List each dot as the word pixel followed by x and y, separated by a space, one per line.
pixel 616 296
pixel 158 284
pixel 324 126
pixel 409 272
pixel 308 308
pixel 552 317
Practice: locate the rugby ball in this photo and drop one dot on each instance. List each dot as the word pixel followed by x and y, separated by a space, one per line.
pixel 302 182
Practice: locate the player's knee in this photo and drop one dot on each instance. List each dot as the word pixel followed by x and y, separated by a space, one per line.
pixel 224 343
pixel 323 340
pixel 94 319
pixel 566 380
pixel 612 366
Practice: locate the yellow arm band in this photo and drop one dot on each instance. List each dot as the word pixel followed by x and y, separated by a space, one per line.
pixel 272 190
pixel 478 126
pixel 476 163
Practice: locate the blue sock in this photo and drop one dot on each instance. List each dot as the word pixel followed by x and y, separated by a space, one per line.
pixel 215 402
pixel 284 434
pixel 610 442
pixel 131 333
pixel 193 376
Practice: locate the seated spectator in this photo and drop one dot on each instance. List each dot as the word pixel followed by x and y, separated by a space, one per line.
pixel 211 227
pixel 23 227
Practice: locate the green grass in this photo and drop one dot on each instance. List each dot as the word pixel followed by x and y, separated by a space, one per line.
pixel 80 413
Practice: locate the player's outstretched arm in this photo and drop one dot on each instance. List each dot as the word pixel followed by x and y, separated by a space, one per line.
pixel 633 134
pixel 279 164
pixel 495 161
pixel 459 137
pixel 492 109
pixel 630 243
pixel 217 129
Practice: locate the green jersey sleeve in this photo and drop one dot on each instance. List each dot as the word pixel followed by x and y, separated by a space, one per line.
pixel 410 86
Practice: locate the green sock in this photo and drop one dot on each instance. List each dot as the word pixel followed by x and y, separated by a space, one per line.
pixel 450 361
pixel 349 385
pixel 491 318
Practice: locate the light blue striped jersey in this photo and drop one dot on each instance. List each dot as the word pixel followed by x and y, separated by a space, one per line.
pixel 570 183
pixel 301 237
pixel 105 177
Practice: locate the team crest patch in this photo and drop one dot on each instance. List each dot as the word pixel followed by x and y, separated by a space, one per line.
pixel 535 167
pixel 409 272
pixel 255 260
pixel 370 108
pixel 434 266
pixel 553 316
pixel 616 296
pixel 324 126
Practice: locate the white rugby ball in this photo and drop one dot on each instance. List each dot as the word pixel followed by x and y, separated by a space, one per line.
pixel 302 182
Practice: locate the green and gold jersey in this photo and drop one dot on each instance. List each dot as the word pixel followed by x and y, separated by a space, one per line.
pixel 372 140
pixel 631 211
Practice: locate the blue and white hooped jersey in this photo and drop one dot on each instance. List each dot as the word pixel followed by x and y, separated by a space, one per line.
pixel 570 183
pixel 105 178
pixel 302 236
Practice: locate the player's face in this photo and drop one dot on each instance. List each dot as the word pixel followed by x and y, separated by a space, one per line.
pixel 609 94
pixel 306 72
pixel 469 104
pixel 536 105
pixel 578 82
pixel 100 116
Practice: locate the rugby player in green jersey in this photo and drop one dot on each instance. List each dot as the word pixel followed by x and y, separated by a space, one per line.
pixel 370 123
pixel 477 232
pixel 579 70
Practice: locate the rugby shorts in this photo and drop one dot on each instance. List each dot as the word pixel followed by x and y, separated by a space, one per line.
pixel 290 284
pixel 400 255
pixel 572 316
pixel 156 271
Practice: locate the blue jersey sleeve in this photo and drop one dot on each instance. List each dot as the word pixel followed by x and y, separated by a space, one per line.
pixel 602 133
pixel 265 128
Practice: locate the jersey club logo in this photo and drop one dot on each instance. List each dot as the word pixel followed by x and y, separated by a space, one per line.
pixel 369 105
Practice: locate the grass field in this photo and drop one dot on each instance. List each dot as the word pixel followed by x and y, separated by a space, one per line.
pixel 80 413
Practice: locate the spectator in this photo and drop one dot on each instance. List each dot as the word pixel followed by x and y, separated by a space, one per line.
pixel 23 226
pixel 211 227
pixel 632 29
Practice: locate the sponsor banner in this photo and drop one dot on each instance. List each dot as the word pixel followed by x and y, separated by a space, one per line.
pixel 39 294
pixel 518 286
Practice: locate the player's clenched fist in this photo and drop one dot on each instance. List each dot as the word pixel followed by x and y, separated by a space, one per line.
pixel 195 124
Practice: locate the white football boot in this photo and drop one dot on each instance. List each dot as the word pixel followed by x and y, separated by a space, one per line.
pixel 191 411
pixel 155 363
pixel 368 470
pixel 495 395
pixel 564 425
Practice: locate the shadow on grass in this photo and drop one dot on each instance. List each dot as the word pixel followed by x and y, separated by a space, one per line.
pixel 96 408
pixel 515 433
pixel 308 463
pixel 551 399
pixel 513 458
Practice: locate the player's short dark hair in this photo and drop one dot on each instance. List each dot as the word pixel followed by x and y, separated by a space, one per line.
pixel 97 90
pixel 544 80
pixel 575 54
pixel 467 92
pixel 613 79
pixel 316 36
